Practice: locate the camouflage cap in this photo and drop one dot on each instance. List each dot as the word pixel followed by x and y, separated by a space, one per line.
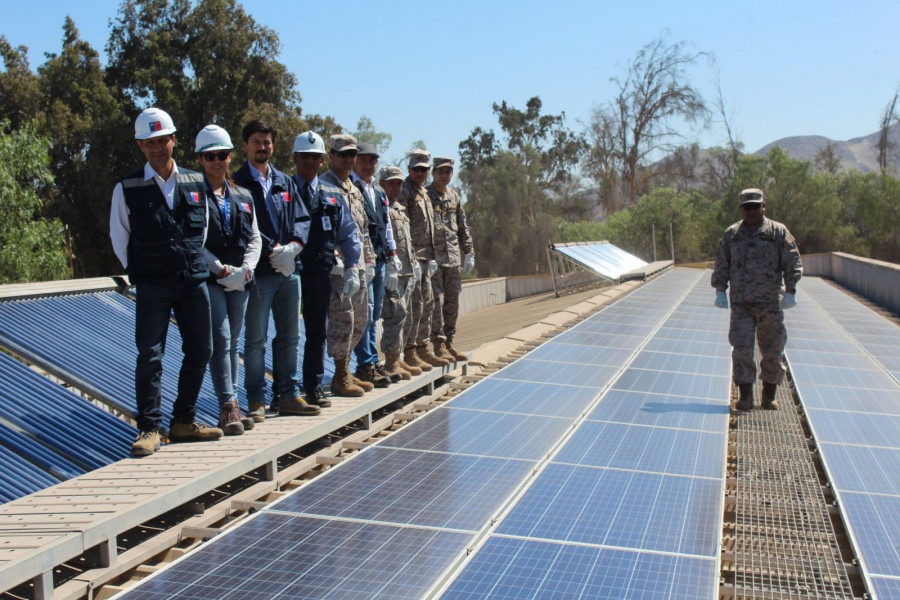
pixel 419 158
pixel 391 172
pixel 442 161
pixel 367 148
pixel 751 195
pixel 341 142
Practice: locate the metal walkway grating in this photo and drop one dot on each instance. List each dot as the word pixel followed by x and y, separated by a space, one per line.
pixel 784 544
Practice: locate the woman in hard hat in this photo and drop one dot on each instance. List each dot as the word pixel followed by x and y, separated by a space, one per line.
pixel 232 247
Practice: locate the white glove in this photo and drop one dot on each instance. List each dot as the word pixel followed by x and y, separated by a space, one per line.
pixel 417 272
pixel 392 282
pixel 394 265
pixel 234 281
pixel 351 281
pixel 790 301
pixel 370 273
pixel 282 258
pixel 721 300
pixel 248 274
pixel 468 263
pixel 432 268
pixel 338 268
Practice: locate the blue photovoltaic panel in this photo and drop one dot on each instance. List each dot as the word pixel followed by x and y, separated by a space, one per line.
pixel 483 433
pixel 594 376
pixel 657 344
pixel 577 354
pixel 641 408
pixel 874 521
pixel 885 589
pixel 528 398
pixel 626 509
pixel 415 488
pixel 608 328
pixel 586 338
pixel 816 344
pixel 675 384
pixel 856 428
pixel 692 335
pixel 524 569
pixel 294 557
pixel 681 363
pixel 856 360
pixel 641 448
pixel 863 468
pixel 603 258
pixel 850 399
pixel 843 377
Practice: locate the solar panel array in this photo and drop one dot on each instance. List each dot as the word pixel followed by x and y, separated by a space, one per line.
pixel 845 361
pixel 602 257
pixel 585 469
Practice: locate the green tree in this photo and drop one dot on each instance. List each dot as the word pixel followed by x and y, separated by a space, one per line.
pixel 31 248
pixel 366 132
pixel 20 92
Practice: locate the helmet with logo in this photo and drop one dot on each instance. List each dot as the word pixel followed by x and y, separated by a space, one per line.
pixel 309 141
pixel 153 122
pixel 212 137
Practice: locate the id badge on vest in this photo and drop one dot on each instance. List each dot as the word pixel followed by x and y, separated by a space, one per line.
pixel 326 223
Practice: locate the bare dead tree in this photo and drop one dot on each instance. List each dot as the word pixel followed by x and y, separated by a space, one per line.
pixel 885 146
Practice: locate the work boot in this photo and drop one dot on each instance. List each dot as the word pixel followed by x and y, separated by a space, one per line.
pixel 257 412
pixel 745 402
pixel 768 396
pixel 428 356
pixel 273 405
pixel 394 378
pixel 193 432
pixel 412 370
pixel 367 386
pixel 230 419
pixel 368 373
pixel 448 346
pixel 317 396
pixel 342 384
pixel 145 444
pixel 393 366
pixel 441 352
pixel 298 406
pixel 411 359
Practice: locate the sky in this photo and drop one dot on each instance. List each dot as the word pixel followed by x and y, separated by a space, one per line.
pixel 431 71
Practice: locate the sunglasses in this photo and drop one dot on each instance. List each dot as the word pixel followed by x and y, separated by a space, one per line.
pixel 751 206
pixel 346 154
pixel 419 169
pixel 214 156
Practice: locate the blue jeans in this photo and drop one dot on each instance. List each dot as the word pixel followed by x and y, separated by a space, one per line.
pixel 281 296
pixel 153 308
pixel 227 310
pixel 367 349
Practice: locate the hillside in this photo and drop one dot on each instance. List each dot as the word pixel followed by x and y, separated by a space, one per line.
pixel 859 153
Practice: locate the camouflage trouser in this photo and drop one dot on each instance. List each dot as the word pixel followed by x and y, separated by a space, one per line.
pixel 445 286
pixel 347 317
pixel 765 322
pixel 393 315
pixel 419 308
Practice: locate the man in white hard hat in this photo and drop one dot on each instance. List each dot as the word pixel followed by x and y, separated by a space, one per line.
pixel 157 225
pixel 284 228
pixel 755 255
pixel 333 245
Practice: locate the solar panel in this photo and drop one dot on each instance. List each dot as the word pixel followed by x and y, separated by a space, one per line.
pixel 525 397
pixel 874 521
pixel 662 410
pixel 516 568
pixel 675 384
pixel 601 257
pixel 867 469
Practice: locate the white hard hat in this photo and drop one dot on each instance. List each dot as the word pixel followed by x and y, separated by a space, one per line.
pixel 212 137
pixel 309 141
pixel 153 122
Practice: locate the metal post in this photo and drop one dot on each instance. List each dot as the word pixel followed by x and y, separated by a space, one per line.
pixel 552 271
pixel 653 239
pixel 672 243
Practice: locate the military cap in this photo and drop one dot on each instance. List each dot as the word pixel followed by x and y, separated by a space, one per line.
pixel 341 142
pixel 419 158
pixel 442 161
pixel 752 195
pixel 367 148
pixel 391 172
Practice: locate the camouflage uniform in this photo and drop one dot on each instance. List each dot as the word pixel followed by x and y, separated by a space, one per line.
pixel 451 241
pixel 754 262
pixel 394 310
pixel 347 317
pixel 421 229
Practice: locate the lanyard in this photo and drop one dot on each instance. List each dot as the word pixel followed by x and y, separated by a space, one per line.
pixel 224 208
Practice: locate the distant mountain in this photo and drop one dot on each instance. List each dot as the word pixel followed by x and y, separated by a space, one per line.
pixel 859 153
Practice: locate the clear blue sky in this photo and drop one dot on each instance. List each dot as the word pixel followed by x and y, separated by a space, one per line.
pixel 431 70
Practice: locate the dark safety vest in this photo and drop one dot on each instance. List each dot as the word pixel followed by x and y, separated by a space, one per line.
pixel 378 218
pixel 229 244
pixel 166 245
pixel 326 206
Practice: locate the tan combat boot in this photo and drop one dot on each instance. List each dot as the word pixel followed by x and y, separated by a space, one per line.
pixel 342 384
pixel 448 346
pixel 193 432
pixel 145 444
pixel 428 356
pixel 392 367
pixel 412 370
pixel 441 352
pixel 411 358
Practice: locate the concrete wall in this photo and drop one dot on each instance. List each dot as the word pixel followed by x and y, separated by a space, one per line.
pixel 874 279
pixel 528 285
pixel 482 293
